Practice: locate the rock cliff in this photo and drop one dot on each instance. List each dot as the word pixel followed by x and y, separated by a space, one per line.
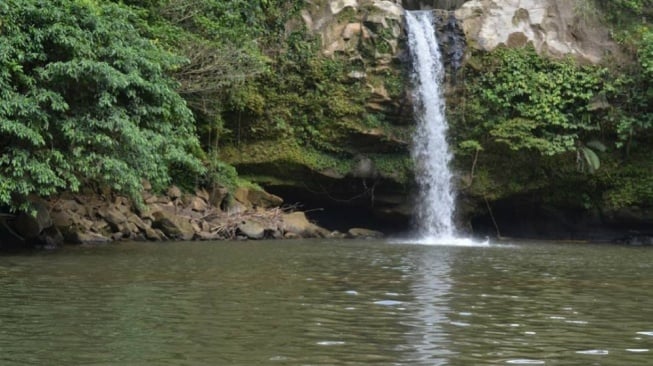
pixel 555 28
pixel 368 36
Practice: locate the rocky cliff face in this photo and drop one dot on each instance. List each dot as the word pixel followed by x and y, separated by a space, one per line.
pixel 368 31
pixel 554 27
pixel 370 36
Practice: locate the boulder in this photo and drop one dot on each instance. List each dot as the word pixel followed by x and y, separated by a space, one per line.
pixel 81 237
pixel 352 30
pixel 340 33
pixel 337 6
pixel 30 225
pixel 231 206
pixel 361 233
pixel 291 235
pixel 51 237
pixel 114 217
pixel 216 195
pixel 152 234
pixel 64 219
pixel 174 192
pixel 101 226
pixel 203 194
pixel 130 230
pixel 252 229
pixel 241 194
pixel 78 229
pixel 297 223
pixel 173 226
pixel 122 203
pixel 197 227
pixel 205 235
pixel 337 235
pixel 149 198
pixel 137 221
pixel 68 204
pixel 198 204
pixel 389 9
pixel 263 199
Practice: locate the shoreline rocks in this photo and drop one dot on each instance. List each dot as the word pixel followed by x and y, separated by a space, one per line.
pixel 97 219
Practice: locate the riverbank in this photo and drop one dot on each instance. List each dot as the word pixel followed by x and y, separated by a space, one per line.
pixel 253 214
pixel 96 218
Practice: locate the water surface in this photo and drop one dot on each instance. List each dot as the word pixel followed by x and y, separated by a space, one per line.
pixel 327 303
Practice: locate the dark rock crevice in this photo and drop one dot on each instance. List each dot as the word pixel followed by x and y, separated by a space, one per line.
pixel 525 217
pixel 338 208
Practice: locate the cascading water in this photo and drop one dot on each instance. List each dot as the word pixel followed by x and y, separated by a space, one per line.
pixel 435 203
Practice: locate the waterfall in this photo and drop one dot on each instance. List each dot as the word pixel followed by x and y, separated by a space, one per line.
pixel 435 201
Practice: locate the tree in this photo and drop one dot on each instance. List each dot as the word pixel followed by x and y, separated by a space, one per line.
pixel 85 99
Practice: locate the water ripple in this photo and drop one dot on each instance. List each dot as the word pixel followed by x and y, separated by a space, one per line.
pixel 525 362
pixel 367 303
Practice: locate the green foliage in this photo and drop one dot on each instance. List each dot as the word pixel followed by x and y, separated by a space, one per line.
pixel 220 173
pixel 625 13
pixel 85 99
pixel 597 145
pixel 629 185
pixel 532 115
pixel 288 151
pixel 297 161
pixel 528 102
pixel 645 52
pixel 305 97
pixel 631 119
pixel 591 160
pixel 218 39
pixel 470 146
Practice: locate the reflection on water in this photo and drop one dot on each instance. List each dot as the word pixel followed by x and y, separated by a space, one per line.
pixel 327 303
pixel 430 288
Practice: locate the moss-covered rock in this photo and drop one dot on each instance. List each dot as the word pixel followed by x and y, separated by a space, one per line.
pixel 525 116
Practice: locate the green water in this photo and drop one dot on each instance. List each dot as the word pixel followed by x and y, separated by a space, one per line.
pixel 327 303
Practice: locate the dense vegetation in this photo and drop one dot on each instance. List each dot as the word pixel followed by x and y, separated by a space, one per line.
pixel 576 135
pixel 104 94
pixel 86 100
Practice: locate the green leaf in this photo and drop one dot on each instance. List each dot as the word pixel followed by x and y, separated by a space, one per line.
pixel 596 145
pixel 591 159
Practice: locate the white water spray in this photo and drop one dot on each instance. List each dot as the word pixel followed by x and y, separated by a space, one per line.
pixel 435 202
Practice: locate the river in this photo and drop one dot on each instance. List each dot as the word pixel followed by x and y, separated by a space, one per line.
pixel 327 303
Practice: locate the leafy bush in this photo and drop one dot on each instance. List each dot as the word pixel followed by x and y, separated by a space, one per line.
pixel 528 102
pixel 85 99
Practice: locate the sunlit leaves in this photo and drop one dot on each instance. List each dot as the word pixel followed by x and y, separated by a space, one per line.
pixel 535 103
pixel 84 97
